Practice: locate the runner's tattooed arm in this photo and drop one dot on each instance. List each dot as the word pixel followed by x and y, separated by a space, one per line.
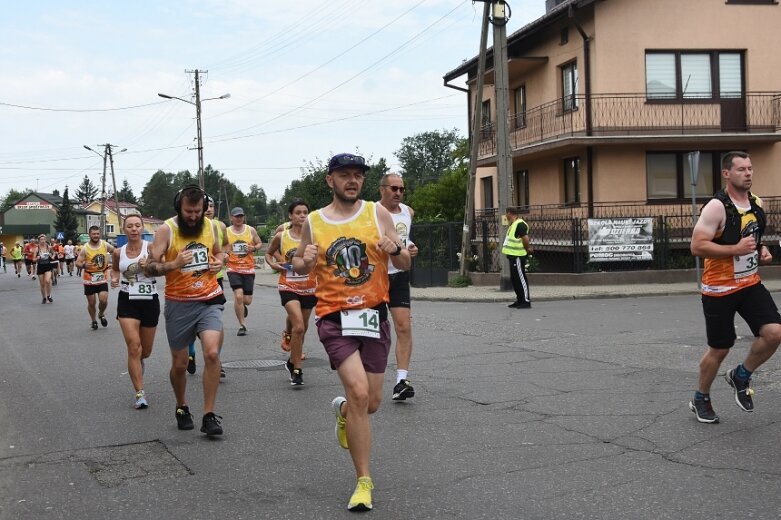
pixel 156 264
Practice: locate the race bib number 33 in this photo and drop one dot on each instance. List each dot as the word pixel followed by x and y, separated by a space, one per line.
pixel 361 322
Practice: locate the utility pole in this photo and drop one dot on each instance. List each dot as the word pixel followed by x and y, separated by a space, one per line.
pixel 504 161
pixel 107 154
pixel 116 196
pixel 103 198
pixel 469 214
pixel 198 119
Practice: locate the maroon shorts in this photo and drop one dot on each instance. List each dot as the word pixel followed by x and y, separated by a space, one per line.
pixel 374 352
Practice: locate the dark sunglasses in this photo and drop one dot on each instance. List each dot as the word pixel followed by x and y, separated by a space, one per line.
pixel 394 189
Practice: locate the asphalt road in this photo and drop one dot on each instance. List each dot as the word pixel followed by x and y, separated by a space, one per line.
pixel 573 409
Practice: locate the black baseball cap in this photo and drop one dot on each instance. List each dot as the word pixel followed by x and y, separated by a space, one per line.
pixel 341 160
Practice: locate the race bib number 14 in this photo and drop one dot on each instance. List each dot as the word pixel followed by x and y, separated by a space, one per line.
pixel 361 322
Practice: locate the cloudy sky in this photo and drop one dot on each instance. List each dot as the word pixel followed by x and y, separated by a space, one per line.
pixel 305 78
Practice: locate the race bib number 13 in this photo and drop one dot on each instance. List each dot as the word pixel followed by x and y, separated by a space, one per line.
pixel 200 261
pixel 361 322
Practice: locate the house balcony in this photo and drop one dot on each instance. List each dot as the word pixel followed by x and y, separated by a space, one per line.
pixel 628 118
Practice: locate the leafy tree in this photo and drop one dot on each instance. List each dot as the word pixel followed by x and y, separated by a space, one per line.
pixel 313 188
pixel 66 219
pixel 125 194
pixel 444 199
pixel 257 204
pixel 86 192
pixel 158 195
pixel 426 156
pixel 12 197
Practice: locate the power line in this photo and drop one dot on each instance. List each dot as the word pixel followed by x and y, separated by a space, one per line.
pixel 47 109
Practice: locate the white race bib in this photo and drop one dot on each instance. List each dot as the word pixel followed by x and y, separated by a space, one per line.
pixel 98 277
pixel 200 261
pixel 292 276
pixel 361 322
pixel 745 265
pixel 141 290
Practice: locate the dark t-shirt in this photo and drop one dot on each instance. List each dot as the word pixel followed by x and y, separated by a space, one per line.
pixel 522 230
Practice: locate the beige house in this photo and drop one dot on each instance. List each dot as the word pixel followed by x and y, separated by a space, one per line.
pixel 607 97
pixel 125 208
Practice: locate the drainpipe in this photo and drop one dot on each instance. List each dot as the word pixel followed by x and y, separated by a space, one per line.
pixel 587 74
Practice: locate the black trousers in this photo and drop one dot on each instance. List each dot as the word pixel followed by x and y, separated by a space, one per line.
pixel 518 278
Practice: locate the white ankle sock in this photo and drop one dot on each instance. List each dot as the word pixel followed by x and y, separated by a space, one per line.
pixel 401 374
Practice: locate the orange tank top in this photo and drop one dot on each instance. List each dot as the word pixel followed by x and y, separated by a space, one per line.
pixel 194 281
pixel 351 272
pixel 722 276
pixel 239 259
pixel 288 280
pixel 99 257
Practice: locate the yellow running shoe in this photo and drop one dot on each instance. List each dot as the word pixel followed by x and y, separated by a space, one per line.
pixel 341 423
pixel 362 496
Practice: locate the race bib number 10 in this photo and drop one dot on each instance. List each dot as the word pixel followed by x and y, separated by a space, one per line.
pixel 200 261
pixel 361 322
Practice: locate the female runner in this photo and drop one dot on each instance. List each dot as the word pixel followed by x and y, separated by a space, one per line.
pixel 138 306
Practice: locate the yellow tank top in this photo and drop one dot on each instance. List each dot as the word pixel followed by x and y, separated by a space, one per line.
pixel 351 272
pixel 288 280
pixel 239 259
pixel 722 276
pixel 192 282
pixel 98 256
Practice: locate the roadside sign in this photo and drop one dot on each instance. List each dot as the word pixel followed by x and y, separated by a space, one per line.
pixel 60 235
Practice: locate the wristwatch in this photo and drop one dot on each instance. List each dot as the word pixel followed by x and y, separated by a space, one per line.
pixel 397 252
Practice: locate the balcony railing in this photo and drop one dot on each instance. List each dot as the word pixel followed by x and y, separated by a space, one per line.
pixel 634 114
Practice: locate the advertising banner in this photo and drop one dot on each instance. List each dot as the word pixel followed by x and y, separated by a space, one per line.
pixel 621 239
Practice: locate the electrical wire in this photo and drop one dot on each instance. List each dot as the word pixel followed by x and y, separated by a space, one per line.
pixel 47 109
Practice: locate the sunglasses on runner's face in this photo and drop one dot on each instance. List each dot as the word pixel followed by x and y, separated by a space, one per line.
pixel 394 189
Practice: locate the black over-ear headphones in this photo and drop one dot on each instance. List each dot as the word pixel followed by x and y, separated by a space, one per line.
pixel 178 197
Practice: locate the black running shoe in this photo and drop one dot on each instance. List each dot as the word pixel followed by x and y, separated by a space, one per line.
pixel 211 424
pixel 703 409
pixel 289 367
pixel 184 419
pixel 103 321
pixel 242 331
pixel 49 298
pixel 190 364
pixel 297 377
pixel 43 300
pixel 94 325
pixel 403 390
pixel 743 392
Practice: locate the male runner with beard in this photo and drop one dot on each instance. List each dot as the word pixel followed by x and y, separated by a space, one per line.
pixel 187 251
pixel 93 260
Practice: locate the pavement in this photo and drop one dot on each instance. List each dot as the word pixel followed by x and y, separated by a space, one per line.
pixel 267 278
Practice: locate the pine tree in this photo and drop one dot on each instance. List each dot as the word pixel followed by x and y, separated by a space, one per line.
pixel 125 193
pixel 66 219
pixel 87 192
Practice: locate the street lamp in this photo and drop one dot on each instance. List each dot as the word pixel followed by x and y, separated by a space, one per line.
pixel 197 104
pixel 107 155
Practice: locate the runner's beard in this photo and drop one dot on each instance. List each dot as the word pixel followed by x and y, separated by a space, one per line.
pixel 190 230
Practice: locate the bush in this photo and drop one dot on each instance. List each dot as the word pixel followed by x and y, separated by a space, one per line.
pixel 459 281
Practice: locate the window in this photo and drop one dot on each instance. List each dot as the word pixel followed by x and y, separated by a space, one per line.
pixel 679 75
pixel 109 229
pixel 487 183
pixel 522 189
pixel 572 180
pixel 520 107
pixel 668 177
pixel 564 36
pixel 486 131
pixel 569 87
